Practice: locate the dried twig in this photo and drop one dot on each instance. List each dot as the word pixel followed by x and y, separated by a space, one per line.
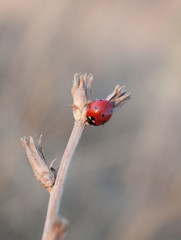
pixel 44 174
pixel 55 226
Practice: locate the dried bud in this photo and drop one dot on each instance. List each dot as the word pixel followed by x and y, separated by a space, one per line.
pixel 81 95
pixel 118 97
pixel 44 174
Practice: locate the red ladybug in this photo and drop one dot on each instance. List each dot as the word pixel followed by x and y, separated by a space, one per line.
pixel 99 112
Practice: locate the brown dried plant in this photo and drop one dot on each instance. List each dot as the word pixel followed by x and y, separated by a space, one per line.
pixel 51 179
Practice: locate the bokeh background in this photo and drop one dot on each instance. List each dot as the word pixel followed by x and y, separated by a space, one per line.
pixel 125 177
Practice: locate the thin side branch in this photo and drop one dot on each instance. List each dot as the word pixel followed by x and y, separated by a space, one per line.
pixel 44 174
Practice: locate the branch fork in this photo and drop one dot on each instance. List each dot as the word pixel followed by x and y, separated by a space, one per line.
pixel 51 179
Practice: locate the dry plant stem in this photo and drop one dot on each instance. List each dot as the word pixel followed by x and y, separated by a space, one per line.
pixel 57 191
pixel 44 174
pixel 55 226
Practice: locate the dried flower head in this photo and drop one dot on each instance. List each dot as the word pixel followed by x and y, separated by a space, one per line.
pixel 81 91
pixel 118 97
pixel 44 174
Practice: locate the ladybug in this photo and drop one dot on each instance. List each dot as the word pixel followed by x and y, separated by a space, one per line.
pixel 99 112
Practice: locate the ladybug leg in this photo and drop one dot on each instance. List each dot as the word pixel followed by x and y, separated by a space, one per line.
pixel 87 104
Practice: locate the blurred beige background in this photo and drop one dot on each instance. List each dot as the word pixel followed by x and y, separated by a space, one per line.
pixel 125 178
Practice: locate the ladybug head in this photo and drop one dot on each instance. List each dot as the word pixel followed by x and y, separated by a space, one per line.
pixel 91 120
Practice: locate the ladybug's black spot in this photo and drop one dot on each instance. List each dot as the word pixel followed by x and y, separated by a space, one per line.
pixel 89 106
pixel 103 115
pixel 103 122
pixel 95 107
pixel 111 110
pixel 100 99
